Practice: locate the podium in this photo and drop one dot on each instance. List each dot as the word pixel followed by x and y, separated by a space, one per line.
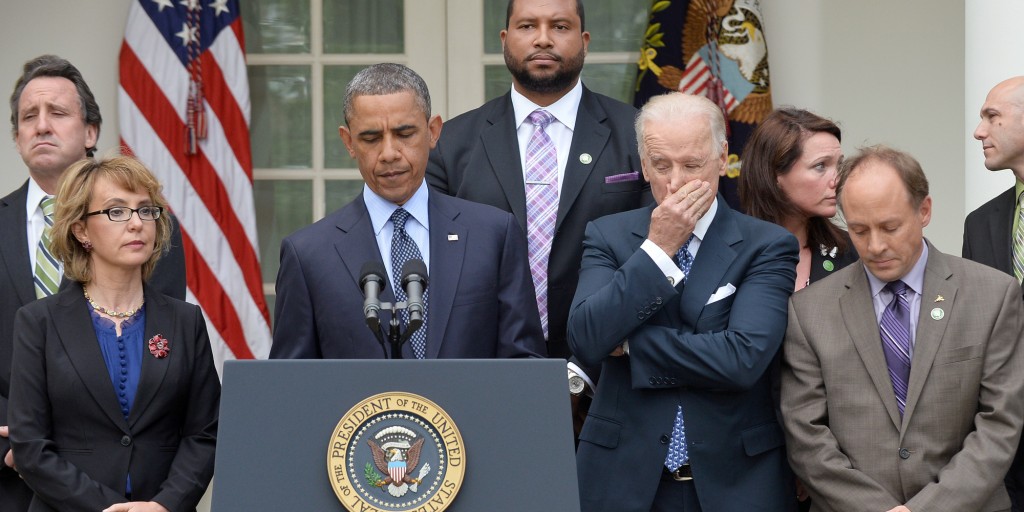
pixel 279 420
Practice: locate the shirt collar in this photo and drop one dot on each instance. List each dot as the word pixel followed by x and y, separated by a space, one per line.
pixel 33 198
pixel 564 109
pixel 1018 189
pixel 701 228
pixel 380 209
pixel 913 279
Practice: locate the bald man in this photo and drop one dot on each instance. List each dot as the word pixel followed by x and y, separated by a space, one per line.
pixel 990 231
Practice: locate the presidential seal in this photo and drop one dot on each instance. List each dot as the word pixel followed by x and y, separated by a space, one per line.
pixel 396 452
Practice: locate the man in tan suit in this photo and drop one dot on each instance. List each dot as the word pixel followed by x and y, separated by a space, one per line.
pixel 902 383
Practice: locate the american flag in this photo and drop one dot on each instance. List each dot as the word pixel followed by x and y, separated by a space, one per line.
pixel 184 112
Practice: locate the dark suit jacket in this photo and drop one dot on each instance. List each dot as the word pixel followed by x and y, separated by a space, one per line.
pixel 72 444
pixel 839 261
pixel 988 232
pixel 963 416
pixel 710 358
pixel 481 302
pixel 16 281
pixel 477 158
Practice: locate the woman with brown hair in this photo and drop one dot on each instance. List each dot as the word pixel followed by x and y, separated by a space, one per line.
pixel 789 178
pixel 114 394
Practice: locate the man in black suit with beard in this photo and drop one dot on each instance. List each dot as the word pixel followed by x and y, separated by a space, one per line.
pixel 484 155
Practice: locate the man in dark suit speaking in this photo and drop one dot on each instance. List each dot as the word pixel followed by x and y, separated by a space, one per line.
pixel 487 155
pixel 479 298
pixel 684 305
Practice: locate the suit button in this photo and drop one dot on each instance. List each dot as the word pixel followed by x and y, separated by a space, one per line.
pixel 640 316
pixel 125 441
pixel 664 439
pixel 652 380
pixel 672 381
pixel 657 300
pixel 904 453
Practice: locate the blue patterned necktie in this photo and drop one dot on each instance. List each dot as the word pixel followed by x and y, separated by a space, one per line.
pixel 895 330
pixel 677 455
pixel 47 272
pixel 403 249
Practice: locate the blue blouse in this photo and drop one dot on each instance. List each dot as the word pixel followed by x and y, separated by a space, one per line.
pixel 122 355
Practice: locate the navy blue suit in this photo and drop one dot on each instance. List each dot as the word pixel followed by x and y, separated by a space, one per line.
pixel 481 302
pixel 710 358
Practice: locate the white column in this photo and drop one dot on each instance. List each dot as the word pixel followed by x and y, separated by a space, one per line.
pixel 993 52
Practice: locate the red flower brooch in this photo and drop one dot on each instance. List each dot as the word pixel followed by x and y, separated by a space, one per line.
pixel 159 346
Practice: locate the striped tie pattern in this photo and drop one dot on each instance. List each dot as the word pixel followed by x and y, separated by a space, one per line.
pixel 895 330
pixel 47 271
pixel 541 206
pixel 677 455
pixel 403 249
pixel 1018 244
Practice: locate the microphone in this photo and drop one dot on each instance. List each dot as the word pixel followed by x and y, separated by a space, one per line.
pixel 371 279
pixel 414 281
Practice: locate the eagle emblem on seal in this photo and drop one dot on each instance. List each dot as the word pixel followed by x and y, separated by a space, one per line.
pixel 395 458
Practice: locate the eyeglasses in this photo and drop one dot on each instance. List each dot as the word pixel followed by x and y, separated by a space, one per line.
pixel 124 214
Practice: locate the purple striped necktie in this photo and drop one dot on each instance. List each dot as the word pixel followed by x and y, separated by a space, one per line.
pixel 895 330
pixel 541 206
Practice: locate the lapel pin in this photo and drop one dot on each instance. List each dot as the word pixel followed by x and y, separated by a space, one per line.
pixel 938 313
pixel 939 298
pixel 828 265
pixel 585 158
pixel 452 237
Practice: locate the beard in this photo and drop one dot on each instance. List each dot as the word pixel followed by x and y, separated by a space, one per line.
pixel 560 79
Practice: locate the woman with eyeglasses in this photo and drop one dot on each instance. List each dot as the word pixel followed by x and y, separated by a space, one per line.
pixel 114 393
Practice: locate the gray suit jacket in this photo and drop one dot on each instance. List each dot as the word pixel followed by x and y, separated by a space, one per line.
pixel 964 410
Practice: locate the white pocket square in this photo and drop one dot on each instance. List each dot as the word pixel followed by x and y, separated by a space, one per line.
pixel 721 293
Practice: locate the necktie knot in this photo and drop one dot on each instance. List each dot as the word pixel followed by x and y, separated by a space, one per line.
pixel 683 257
pixel 47 205
pixel 541 118
pixel 398 219
pixel 896 287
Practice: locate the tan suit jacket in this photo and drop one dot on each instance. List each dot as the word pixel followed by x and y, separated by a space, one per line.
pixel 965 402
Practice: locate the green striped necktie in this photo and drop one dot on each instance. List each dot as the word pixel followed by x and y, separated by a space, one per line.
pixel 47 272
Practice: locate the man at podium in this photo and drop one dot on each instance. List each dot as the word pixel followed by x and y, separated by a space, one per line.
pixel 477 298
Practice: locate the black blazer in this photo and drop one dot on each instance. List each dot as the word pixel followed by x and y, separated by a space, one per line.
pixel 819 269
pixel 18 290
pixel 477 158
pixel 72 444
pixel 988 231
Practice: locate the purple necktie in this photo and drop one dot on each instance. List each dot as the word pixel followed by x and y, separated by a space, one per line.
pixel 895 329
pixel 541 206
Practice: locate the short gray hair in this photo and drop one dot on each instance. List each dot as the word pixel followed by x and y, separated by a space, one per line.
pixel 387 78
pixel 680 108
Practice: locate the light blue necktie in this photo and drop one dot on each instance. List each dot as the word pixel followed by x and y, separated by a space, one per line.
pixel 677 455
